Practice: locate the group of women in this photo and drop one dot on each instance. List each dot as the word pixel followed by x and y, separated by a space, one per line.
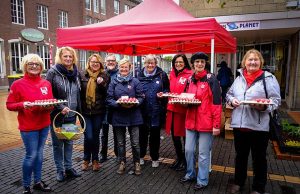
pixel 95 93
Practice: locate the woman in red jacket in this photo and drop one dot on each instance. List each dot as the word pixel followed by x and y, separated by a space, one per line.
pixel 181 72
pixel 33 120
pixel 203 121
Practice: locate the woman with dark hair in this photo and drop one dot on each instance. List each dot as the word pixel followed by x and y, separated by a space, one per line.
pixel 202 122
pixel 180 73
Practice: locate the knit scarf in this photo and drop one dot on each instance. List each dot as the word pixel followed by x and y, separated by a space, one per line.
pixel 91 88
pixel 251 77
pixel 149 74
pixel 200 75
pixel 124 78
pixel 70 74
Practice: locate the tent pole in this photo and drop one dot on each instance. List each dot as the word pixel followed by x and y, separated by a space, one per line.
pixel 212 55
pixel 133 66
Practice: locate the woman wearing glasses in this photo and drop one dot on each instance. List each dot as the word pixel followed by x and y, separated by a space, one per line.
pixel 94 83
pixel 33 120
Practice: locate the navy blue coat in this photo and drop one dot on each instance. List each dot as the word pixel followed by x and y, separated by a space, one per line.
pixel 154 108
pixel 125 116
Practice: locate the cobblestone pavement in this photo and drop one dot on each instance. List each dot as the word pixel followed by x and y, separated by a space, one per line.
pixel 283 175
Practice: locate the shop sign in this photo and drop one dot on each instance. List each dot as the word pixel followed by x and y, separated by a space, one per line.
pixel 241 26
pixel 32 35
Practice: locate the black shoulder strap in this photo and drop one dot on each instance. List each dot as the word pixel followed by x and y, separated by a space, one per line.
pixel 265 86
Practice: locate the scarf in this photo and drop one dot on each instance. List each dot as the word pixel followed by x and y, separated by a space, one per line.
pixel 70 74
pixel 149 74
pixel 91 88
pixel 200 75
pixel 112 71
pixel 251 77
pixel 124 78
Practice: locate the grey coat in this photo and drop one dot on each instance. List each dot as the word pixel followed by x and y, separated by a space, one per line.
pixel 244 116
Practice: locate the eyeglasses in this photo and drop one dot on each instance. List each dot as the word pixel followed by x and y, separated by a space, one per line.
pixel 33 64
pixel 179 62
pixel 95 62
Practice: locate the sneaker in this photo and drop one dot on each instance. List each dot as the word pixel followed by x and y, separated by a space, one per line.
pixel 71 173
pixel 42 186
pixel 137 170
pixel 121 169
pixel 142 161
pixel 96 165
pixel 60 177
pixel 27 190
pixel 85 165
pixel 155 163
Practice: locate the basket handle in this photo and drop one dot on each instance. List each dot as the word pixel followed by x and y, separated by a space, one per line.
pixel 84 123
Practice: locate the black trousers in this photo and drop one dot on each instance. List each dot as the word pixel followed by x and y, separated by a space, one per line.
pixel 153 135
pixel 178 144
pixel 257 143
pixel 104 141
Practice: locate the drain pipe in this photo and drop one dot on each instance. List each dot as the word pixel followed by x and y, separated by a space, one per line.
pixel 296 73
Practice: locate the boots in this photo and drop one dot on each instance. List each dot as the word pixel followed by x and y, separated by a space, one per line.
pixel 121 169
pixel 85 165
pixel 137 170
pixel 96 165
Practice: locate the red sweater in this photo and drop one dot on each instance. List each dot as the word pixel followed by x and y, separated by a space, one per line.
pixel 30 89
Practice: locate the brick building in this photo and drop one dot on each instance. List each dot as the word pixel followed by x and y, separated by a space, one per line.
pixel 271 26
pixel 29 26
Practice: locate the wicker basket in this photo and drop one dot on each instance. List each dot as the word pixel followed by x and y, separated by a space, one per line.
pixel 69 135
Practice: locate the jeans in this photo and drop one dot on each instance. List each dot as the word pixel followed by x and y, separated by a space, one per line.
pixel 154 141
pixel 257 142
pixel 34 142
pixel 91 137
pixel 204 140
pixel 134 139
pixel 62 152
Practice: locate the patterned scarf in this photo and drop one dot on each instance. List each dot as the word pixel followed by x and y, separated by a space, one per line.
pixel 149 74
pixel 91 88
pixel 124 78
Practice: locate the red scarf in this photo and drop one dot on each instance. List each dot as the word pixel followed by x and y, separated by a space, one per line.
pixel 251 77
pixel 200 75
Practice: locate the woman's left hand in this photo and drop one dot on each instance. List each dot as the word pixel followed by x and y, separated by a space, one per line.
pixel 216 131
pixel 159 94
pixel 99 80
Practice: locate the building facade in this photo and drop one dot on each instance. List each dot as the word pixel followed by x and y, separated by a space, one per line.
pixel 271 26
pixel 29 26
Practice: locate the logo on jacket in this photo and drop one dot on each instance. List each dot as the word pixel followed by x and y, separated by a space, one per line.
pixel 129 87
pixel 182 80
pixel 44 90
pixel 157 82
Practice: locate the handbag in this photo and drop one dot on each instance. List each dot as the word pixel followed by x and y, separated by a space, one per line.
pixel 275 119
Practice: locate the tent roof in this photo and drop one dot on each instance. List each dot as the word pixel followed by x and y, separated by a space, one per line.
pixel 154 26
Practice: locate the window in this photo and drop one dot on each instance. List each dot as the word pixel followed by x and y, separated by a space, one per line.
pixel 2 57
pixel 97 21
pixel 63 19
pixel 17 50
pixel 88 4
pixel 116 6
pixel 43 52
pixel 103 7
pixel 17 11
pixel 42 12
pixel 88 20
pixel 96 6
pixel 82 59
pixel 126 8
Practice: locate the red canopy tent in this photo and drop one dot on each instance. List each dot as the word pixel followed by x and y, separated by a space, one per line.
pixel 154 26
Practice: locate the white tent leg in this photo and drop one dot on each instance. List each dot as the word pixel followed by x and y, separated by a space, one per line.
pixel 212 55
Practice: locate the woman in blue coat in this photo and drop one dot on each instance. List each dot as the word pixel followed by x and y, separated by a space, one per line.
pixel 126 115
pixel 154 81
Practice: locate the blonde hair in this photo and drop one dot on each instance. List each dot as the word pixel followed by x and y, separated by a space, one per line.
pixel 123 61
pixel 151 57
pixel 110 55
pixel 31 58
pixel 59 52
pixel 256 52
pixel 99 58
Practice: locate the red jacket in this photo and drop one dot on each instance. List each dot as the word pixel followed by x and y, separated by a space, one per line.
pixel 207 115
pixel 30 89
pixel 177 112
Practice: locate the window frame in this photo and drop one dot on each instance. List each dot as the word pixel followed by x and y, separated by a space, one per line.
pixel 42 17
pixel 116 7
pixel 18 12
pixel 16 59
pixel 96 6
pixel 103 7
pixel 88 5
pixel 43 51
pixel 63 21
pixel 126 7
